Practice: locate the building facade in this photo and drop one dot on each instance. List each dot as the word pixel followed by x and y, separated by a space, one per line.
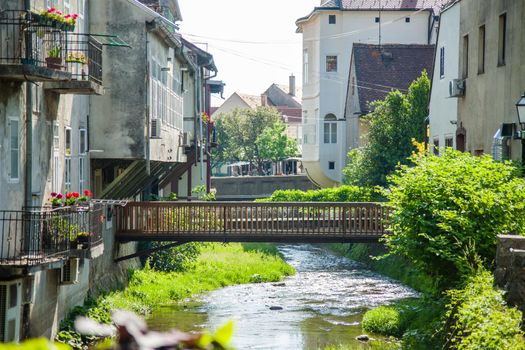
pixel 328 34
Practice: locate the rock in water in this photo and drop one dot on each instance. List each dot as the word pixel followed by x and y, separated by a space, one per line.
pixel 282 284
pixel 275 308
pixel 363 337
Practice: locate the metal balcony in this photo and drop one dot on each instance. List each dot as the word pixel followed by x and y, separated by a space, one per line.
pixel 34 237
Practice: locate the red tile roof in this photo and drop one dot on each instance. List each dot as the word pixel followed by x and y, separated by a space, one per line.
pixel 394 66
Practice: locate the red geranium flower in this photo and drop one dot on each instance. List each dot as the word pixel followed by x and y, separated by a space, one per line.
pixel 68 195
pixel 76 194
pixel 86 192
pixel 60 196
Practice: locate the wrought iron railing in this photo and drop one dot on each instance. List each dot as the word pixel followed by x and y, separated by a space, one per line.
pixel 26 39
pixel 36 236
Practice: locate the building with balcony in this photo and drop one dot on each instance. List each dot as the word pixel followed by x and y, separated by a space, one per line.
pixel 148 131
pixel 329 32
pixel 49 70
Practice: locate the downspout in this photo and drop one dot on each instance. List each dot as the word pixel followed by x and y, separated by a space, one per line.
pixel 28 164
pixel 208 132
pixel 148 126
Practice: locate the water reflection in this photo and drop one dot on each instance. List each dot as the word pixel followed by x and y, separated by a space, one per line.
pixel 322 304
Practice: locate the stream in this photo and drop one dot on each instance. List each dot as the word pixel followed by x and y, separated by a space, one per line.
pixel 322 304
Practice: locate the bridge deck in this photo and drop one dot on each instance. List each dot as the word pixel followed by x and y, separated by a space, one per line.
pixel 251 222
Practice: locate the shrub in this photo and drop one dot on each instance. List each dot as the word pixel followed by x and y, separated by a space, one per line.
pixel 180 258
pixel 336 194
pixel 449 209
pixel 383 320
pixel 480 319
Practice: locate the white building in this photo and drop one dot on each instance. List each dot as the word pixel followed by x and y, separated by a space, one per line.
pixel 443 108
pixel 328 34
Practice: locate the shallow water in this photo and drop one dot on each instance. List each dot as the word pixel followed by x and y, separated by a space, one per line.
pixel 322 304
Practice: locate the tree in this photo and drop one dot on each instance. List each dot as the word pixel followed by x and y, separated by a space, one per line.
pixel 274 144
pixel 448 209
pixel 238 132
pixel 394 124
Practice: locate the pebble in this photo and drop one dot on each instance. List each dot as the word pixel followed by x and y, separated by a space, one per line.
pixel 276 308
pixel 363 337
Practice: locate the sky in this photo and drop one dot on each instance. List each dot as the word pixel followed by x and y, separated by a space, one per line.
pixel 253 42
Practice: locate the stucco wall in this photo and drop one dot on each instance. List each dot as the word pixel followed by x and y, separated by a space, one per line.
pixel 443 109
pixel 490 97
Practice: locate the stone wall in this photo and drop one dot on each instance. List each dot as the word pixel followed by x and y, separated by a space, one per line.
pixel 510 268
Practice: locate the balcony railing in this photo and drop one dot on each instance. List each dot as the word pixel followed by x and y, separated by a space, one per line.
pixel 25 40
pixel 38 236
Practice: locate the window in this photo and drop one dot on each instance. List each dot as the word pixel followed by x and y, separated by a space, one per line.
pixel 377 19
pixel 449 142
pixel 80 7
pixel 56 171
pixel 331 165
pixel 81 173
pixel 502 39
pixel 407 19
pixel 83 142
pixel 305 67
pixel 331 19
pixel 331 63
pixel 465 56
pixel 56 137
pixel 67 174
pixel 330 129
pixel 481 50
pixel 14 149
pixel 442 62
pixel 166 95
pixel 68 141
pixel 436 147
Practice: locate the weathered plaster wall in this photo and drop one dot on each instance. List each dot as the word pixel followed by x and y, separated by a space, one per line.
pixel 491 96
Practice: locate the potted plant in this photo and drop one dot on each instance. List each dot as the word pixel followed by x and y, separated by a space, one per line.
pixel 83 238
pixel 76 60
pixel 54 59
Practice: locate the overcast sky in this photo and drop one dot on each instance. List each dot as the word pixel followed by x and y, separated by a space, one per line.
pixel 273 51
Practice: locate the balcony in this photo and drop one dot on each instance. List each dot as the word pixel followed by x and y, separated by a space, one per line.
pixel 36 50
pixel 34 238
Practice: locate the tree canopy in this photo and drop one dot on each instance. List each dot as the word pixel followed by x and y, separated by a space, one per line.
pixel 395 123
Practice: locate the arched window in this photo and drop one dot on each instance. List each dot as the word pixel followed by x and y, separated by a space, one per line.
pixel 330 128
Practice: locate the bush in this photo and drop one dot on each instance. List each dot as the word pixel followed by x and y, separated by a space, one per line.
pixel 480 319
pixel 384 320
pixel 336 194
pixel 180 258
pixel 449 209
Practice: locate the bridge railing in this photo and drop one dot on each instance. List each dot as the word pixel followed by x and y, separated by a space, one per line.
pixel 156 220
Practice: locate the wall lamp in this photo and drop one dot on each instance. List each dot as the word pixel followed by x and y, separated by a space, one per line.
pixel 520 108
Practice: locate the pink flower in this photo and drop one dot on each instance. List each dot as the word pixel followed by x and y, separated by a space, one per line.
pixel 75 16
pixel 59 12
pixel 67 16
pixel 53 194
pixel 51 10
pixel 59 196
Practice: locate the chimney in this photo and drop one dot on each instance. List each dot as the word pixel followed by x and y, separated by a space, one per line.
pixel 264 100
pixel 291 86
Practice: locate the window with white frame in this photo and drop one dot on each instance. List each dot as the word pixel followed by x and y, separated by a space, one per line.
pixel 166 95
pixel 56 137
pixel 330 128
pixel 83 142
pixel 56 171
pixel 14 149
pixel 81 173
pixel 305 67
pixel 67 174
pixel 68 141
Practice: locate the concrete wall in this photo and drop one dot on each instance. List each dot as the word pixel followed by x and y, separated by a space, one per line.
pixel 251 187
pixel 325 92
pixel 491 96
pixel 443 109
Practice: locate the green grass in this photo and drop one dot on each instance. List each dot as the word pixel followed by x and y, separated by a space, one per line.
pixel 384 320
pixel 218 265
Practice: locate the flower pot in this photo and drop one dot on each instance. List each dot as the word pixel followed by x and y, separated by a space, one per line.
pixel 54 62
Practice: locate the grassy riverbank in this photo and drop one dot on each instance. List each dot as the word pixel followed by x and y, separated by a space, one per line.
pixel 218 265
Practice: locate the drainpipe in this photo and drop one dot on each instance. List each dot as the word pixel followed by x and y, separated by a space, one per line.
pixel 208 133
pixel 28 164
pixel 147 190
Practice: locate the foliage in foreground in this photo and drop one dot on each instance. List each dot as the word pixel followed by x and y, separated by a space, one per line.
pixel 335 194
pixel 449 209
pixel 384 320
pixel 480 318
pixel 217 266
pixel 394 124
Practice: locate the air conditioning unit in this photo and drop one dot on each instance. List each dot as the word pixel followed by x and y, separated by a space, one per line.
pixel 186 139
pixel 156 128
pixel 10 310
pixel 69 272
pixel 456 88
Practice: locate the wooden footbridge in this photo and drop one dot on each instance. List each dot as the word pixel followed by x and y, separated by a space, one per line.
pixel 251 222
